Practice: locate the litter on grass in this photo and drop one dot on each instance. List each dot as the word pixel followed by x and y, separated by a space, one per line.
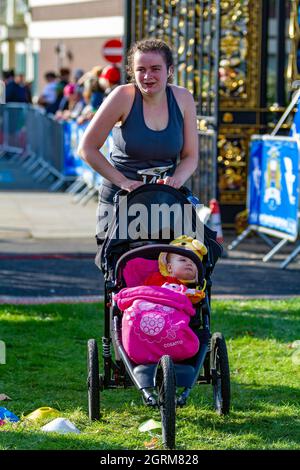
pixel 7 415
pixel 296 357
pixel 153 444
pixel 4 397
pixel 149 425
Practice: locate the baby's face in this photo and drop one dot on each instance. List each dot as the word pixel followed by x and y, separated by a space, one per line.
pixel 181 267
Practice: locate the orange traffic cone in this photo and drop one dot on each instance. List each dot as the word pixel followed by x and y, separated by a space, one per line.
pixel 215 219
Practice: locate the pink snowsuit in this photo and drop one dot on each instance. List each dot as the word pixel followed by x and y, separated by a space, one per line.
pixel 156 322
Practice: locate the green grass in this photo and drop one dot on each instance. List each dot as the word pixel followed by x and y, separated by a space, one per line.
pixel 46 366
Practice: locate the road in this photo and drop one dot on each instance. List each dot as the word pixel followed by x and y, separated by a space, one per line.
pixel 60 268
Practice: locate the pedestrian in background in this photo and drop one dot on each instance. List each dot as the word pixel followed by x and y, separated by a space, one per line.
pixel 63 80
pixel 13 91
pixel 75 103
pixel 26 86
pixel 48 97
pixel 110 78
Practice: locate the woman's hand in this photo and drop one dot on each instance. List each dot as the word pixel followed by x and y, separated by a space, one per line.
pixel 171 181
pixel 130 185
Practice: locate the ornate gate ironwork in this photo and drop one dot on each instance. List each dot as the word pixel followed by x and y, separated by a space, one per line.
pixel 192 29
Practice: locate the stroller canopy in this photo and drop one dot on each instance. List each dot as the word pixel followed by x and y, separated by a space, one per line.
pixel 153 214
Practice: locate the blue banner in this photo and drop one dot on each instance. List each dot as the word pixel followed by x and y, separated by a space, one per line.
pixel 254 181
pixel 273 185
pixel 73 164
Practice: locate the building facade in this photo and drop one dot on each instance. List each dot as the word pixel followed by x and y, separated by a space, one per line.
pixel 50 34
pixel 13 33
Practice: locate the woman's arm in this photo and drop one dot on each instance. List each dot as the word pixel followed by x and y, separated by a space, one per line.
pixel 112 110
pixel 189 156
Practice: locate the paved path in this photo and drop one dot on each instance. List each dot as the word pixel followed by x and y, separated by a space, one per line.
pixel 43 215
pixel 47 251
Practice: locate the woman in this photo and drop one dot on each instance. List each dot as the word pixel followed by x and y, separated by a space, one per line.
pixel 154 124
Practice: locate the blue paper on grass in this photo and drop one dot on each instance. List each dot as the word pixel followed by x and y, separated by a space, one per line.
pixel 8 415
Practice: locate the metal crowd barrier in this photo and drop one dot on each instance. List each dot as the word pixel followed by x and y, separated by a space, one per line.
pixel 13 128
pixel 2 92
pixel 47 149
pixel 33 137
pixel 44 150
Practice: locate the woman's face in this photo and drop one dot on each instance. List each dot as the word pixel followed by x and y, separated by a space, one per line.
pixel 150 72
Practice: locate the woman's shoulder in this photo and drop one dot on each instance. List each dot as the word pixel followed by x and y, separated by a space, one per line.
pixel 123 91
pixel 183 97
pixel 181 92
pixel 122 98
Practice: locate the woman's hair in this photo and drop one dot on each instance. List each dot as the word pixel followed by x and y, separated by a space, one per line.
pixel 150 45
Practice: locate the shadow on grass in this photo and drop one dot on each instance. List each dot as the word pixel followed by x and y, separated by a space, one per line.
pixel 46 349
pixel 260 431
pixel 255 397
pixel 271 413
pixel 277 320
pixel 266 429
pixel 29 440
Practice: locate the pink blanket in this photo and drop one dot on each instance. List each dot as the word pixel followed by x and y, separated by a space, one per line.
pixel 156 322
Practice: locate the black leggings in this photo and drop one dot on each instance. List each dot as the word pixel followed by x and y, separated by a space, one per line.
pixel 104 209
pixel 104 215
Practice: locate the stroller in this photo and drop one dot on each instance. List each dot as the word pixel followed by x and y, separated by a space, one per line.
pixel 164 384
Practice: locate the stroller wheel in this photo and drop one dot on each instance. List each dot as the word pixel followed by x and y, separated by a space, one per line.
pixel 219 365
pixel 166 389
pixel 93 380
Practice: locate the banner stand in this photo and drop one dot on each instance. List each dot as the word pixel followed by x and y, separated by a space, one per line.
pixel 273 187
pixel 268 241
pixel 245 233
pixel 274 250
pixel 263 233
pixel 291 257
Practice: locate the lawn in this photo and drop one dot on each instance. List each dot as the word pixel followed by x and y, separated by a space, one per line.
pixel 46 366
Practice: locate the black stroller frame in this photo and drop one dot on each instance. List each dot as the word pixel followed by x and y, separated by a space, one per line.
pixel 158 383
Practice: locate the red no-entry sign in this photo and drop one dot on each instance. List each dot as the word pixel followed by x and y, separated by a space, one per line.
pixel 113 50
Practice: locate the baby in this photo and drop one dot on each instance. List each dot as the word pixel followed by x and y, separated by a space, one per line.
pixel 156 321
pixel 173 268
pixel 179 270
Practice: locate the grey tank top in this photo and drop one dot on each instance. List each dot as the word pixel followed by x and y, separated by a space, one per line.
pixel 136 146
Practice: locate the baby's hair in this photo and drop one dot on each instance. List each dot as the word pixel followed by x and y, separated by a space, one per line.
pixel 168 257
pixel 150 45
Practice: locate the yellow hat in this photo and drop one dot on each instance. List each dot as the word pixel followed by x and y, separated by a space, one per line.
pixel 188 243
